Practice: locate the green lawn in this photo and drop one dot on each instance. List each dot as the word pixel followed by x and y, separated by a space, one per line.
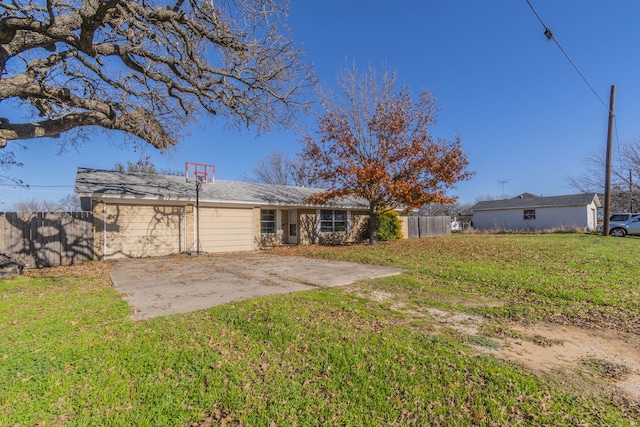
pixel 69 354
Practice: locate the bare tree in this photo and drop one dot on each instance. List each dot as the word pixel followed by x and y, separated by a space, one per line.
pixel 625 176
pixel 146 68
pixel 7 160
pixel 143 165
pixel 277 168
pixel 442 209
pixel 69 203
pixel 282 169
pixel 591 180
pixel 34 205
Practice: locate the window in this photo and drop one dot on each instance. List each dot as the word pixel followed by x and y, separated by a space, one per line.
pixel 333 221
pixel 529 214
pixel 267 221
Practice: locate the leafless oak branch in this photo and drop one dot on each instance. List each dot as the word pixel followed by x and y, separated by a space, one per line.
pixel 145 68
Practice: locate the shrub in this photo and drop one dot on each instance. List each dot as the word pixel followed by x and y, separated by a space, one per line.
pixel 388 227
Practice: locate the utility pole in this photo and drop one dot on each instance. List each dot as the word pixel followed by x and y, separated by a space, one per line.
pixel 607 178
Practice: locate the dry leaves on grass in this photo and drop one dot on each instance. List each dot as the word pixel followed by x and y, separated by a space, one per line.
pixel 89 269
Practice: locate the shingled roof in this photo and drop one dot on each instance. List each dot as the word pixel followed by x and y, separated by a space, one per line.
pixel 119 185
pixel 530 201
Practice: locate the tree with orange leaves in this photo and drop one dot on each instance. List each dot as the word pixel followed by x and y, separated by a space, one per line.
pixel 374 142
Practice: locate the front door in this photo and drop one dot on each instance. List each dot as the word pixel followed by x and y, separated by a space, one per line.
pixel 292 235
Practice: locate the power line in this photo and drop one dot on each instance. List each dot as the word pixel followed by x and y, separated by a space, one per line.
pixel 50 186
pixel 36 186
pixel 550 36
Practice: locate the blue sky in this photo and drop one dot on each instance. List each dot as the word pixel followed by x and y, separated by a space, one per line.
pixel 526 118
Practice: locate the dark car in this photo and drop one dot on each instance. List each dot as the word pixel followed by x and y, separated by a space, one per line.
pixel 621 229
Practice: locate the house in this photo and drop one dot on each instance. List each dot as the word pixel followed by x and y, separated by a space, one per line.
pixel 139 215
pixel 530 212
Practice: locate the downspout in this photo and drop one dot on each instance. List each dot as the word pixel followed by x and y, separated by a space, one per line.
pixel 253 229
pixel 198 216
pixel 104 230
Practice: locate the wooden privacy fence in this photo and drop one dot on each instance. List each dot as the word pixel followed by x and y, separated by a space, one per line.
pixel 47 239
pixel 429 226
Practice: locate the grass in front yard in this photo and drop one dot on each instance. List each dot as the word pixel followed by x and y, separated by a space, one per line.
pixel 69 354
pixel 579 279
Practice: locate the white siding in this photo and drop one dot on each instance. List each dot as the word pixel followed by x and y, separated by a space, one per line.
pixel 226 229
pixel 546 218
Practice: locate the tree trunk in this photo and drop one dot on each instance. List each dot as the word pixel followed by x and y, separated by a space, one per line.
pixel 373 226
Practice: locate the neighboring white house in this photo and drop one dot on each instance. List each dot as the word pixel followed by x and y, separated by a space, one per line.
pixel 530 212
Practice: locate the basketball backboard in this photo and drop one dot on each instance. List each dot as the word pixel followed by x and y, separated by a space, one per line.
pixel 200 172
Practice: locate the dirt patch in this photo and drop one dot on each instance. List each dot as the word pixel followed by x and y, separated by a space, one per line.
pixel 465 323
pixel 604 355
pixel 607 357
pixel 611 355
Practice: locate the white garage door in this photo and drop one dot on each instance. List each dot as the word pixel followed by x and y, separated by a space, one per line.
pixel 142 231
pixel 226 229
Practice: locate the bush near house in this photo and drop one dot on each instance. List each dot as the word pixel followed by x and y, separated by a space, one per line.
pixel 389 227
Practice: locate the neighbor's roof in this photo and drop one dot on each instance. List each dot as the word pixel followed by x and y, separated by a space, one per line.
pixel 529 201
pixel 119 185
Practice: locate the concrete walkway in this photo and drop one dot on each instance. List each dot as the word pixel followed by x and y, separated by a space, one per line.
pixel 182 283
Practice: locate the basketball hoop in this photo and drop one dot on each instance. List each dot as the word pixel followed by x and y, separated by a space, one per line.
pixel 201 174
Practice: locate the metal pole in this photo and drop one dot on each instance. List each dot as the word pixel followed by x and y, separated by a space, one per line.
pixel 607 178
pixel 197 216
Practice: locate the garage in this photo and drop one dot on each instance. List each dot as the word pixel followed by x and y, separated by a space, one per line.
pixel 226 229
pixel 133 231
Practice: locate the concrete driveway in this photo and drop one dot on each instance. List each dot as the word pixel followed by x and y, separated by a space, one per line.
pixel 182 283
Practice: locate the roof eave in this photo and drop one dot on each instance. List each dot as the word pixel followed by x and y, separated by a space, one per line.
pixel 218 202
